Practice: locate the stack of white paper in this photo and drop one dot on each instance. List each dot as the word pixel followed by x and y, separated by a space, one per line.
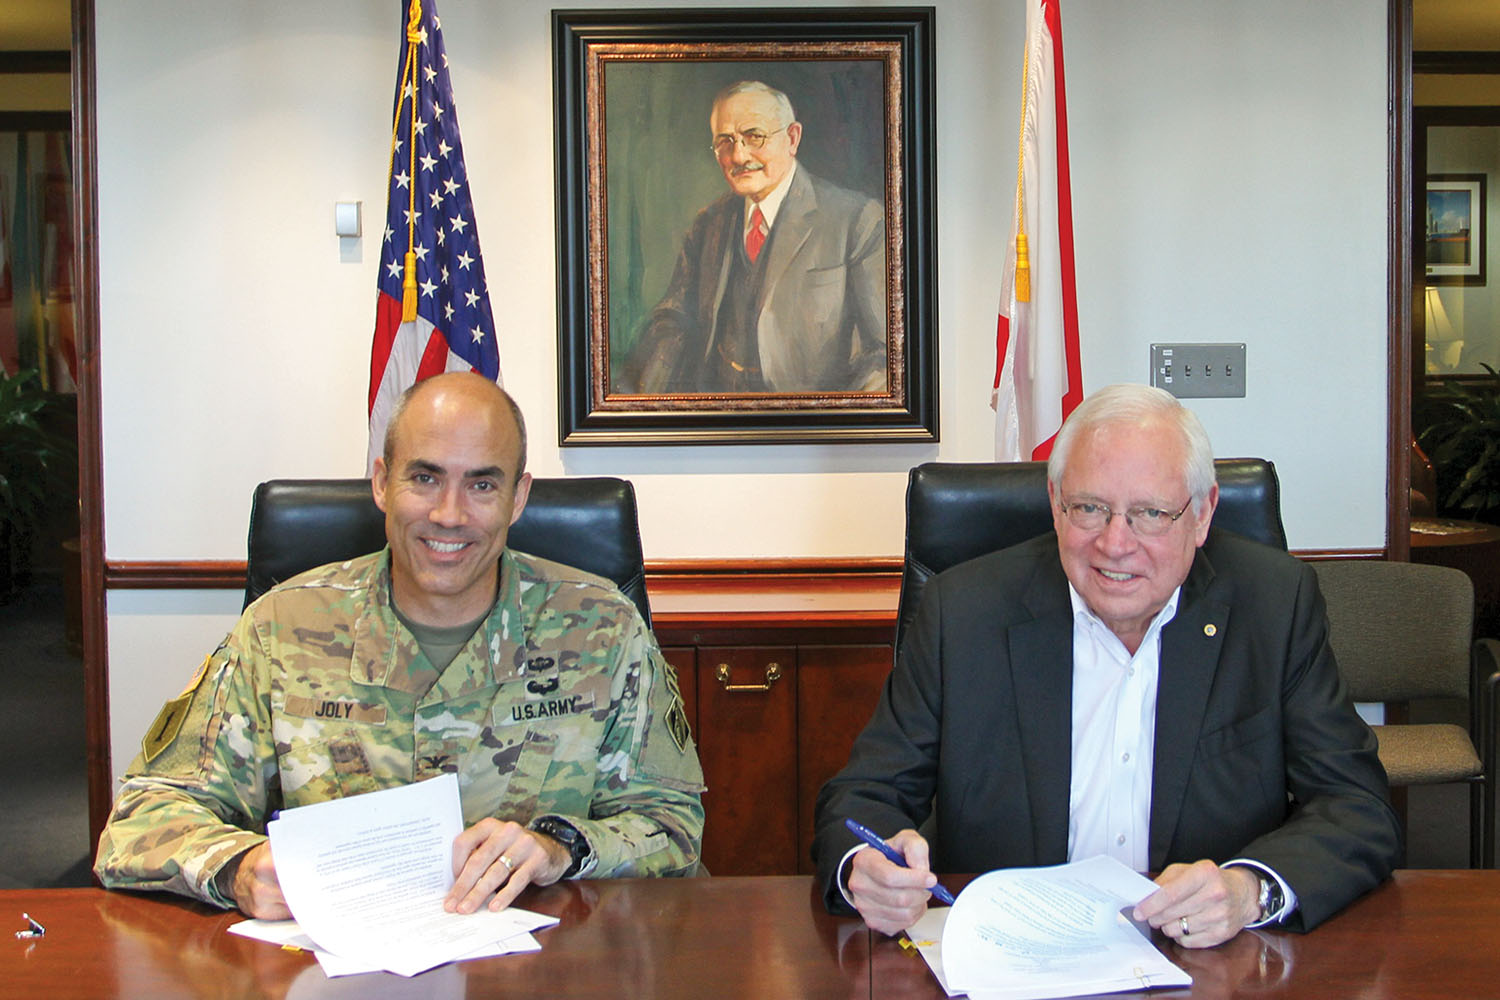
pixel 365 878
pixel 1033 933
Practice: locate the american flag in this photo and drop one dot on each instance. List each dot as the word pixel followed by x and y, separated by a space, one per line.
pixel 432 313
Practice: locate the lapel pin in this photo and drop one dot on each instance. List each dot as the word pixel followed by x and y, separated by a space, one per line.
pixel 1210 630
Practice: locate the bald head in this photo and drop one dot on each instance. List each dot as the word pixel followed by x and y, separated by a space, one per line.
pixel 469 392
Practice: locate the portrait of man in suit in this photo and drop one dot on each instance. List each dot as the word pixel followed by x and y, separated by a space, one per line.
pixel 780 283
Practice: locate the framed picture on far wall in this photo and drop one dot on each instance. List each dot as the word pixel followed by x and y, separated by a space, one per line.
pixel 686 314
pixel 1455 229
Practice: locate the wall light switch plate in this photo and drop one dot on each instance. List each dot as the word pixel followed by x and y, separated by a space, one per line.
pixel 1195 371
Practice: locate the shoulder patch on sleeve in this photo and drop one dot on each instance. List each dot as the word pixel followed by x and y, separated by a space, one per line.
pixel 677 725
pixel 168 723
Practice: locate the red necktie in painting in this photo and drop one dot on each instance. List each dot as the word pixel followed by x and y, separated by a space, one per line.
pixel 755 237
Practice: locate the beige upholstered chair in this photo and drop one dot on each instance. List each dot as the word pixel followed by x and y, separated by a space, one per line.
pixel 1404 632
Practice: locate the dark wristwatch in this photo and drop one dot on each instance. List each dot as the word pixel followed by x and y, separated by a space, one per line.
pixel 569 836
pixel 1271 898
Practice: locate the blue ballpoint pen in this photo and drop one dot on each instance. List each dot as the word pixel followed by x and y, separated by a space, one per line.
pixel 873 839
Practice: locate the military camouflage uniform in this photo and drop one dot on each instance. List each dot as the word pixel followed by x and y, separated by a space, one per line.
pixel 560 705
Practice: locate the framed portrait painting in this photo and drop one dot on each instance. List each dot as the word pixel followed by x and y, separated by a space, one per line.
pixel 745 225
pixel 1455 229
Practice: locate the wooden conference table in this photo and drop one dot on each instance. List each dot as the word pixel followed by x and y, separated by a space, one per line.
pixel 1424 934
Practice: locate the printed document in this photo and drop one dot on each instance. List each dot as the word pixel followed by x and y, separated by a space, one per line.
pixel 1032 933
pixel 365 878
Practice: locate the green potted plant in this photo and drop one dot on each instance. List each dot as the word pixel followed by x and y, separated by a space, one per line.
pixel 1457 423
pixel 38 460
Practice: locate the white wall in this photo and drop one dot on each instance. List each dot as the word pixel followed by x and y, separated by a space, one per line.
pixel 1229 185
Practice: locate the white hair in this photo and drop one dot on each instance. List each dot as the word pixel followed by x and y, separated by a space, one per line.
pixel 1133 403
pixel 784 110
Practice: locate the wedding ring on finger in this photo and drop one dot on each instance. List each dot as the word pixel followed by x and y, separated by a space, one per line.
pixel 510 867
pixel 1181 921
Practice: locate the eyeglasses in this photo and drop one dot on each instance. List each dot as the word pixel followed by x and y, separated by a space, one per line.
pixel 753 138
pixel 1148 522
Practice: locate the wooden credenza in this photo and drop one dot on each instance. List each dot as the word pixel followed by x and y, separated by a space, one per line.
pixel 780 672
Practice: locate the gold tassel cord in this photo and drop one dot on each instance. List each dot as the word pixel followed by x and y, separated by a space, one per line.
pixel 409 86
pixel 1022 284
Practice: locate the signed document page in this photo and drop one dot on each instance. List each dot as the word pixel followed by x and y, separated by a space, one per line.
pixel 365 878
pixel 1024 933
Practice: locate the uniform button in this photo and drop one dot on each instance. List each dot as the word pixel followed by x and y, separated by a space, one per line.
pixel 1120 840
pixel 1125 757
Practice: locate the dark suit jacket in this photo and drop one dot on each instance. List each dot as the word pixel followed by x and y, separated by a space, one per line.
pixel 821 316
pixel 1259 753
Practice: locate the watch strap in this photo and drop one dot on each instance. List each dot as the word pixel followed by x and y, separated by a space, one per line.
pixel 569 836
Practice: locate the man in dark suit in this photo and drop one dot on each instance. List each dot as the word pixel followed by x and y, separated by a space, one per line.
pixel 780 285
pixel 1133 685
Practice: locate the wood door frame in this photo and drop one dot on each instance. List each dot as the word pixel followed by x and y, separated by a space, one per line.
pixel 1400 282
pixel 90 426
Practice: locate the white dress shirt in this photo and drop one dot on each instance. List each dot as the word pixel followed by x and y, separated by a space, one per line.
pixel 1114 732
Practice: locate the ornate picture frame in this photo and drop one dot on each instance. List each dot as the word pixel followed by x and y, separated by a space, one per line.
pixel 674 326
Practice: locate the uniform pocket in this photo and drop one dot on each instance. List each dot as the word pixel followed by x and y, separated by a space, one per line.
pixel 333 768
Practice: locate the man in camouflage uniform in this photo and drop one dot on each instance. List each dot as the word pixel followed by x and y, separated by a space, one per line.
pixel 538 684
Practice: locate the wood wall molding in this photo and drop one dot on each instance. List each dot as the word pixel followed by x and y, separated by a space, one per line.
pixel 1466 62
pixel 229 574
pixel 35 61
pixel 703 576
pixel 167 575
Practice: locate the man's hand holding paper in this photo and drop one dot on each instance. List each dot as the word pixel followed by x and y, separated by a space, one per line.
pixel 499 859
pixel 367 877
pixel 1201 904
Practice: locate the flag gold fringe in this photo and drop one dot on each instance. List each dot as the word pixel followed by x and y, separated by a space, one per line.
pixel 1023 270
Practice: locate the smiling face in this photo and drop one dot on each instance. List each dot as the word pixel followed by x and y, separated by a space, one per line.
pixel 754 173
pixel 1124 578
pixel 450 494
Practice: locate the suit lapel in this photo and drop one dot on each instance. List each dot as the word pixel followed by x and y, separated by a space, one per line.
pixel 1041 665
pixel 1190 647
pixel 794 224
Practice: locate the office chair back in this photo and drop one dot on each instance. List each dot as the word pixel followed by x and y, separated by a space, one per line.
pixel 1403 632
pixel 590 523
pixel 959 511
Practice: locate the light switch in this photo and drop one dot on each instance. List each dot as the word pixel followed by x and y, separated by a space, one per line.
pixel 346 218
pixel 1195 371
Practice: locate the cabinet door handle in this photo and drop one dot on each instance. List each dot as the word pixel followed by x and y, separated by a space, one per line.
pixel 773 674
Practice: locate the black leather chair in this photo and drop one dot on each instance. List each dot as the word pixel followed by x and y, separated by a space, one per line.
pixel 590 523
pixel 958 511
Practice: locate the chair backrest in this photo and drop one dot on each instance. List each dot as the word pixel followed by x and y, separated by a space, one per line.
pixel 1400 630
pixel 590 523
pixel 959 511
